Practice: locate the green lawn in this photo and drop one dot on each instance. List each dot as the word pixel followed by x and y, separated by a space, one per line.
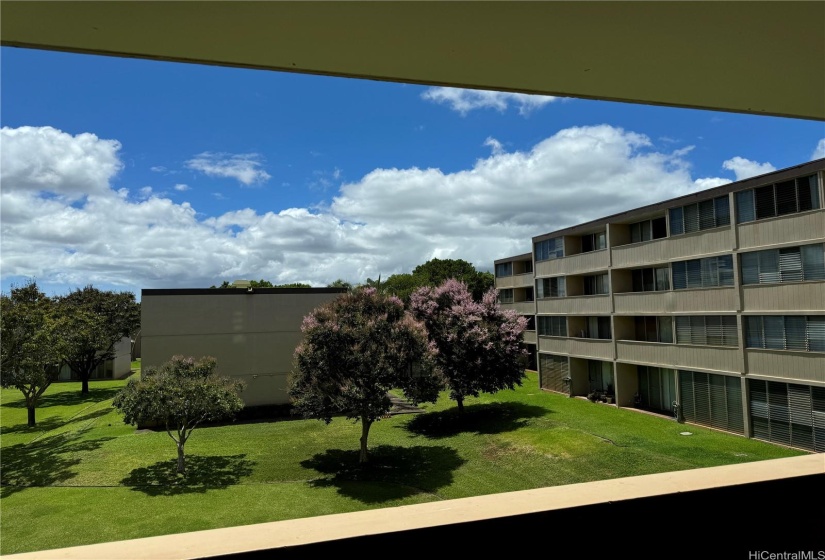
pixel 82 476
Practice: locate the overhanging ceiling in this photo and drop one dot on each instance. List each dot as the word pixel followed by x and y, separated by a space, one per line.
pixel 761 57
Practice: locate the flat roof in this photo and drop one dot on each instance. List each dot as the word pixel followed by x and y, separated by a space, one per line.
pixel 237 291
pixel 651 209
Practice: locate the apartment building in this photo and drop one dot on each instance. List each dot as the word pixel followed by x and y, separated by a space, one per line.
pixel 710 307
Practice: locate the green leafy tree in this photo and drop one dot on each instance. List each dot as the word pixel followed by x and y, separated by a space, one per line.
pixel 356 349
pixel 91 322
pixel 264 284
pixel 28 356
pixel 340 283
pixel 180 395
pixel 436 271
pixel 479 344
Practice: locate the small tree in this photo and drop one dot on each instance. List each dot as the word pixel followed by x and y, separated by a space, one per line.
pixel 180 395
pixel 479 344
pixel 91 323
pixel 356 349
pixel 28 358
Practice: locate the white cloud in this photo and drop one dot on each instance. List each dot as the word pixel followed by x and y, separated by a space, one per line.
pixel 819 151
pixel 710 182
pixel 745 168
pixel 465 100
pixel 158 168
pixel 245 168
pixel 181 187
pixel 494 145
pixel 47 160
pixel 386 222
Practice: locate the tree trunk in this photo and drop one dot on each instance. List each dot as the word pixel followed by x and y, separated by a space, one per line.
pixel 84 388
pixel 31 416
pixel 181 460
pixel 460 402
pixel 365 432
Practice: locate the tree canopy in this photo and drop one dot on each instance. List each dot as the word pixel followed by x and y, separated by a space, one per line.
pixel 356 349
pixel 180 395
pixel 90 323
pixel 434 273
pixel 263 284
pixel 28 341
pixel 479 344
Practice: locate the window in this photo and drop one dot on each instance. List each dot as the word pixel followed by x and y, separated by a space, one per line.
pixel 654 329
pixel 528 294
pixel 594 242
pixel 648 229
pixel 554 372
pixel 709 272
pixel 791 264
pixel 550 287
pixel 657 388
pixel 787 197
pixel 596 285
pixel 712 400
pixel 528 267
pixel 505 296
pixel 504 269
pixel 713 330
pixel 788 413
pixel 598 327
pixel 786 332
pixel 554 325
pixel 700 215
pixel 531 322
pixel 549 249
pixel 651 279
pixel 600 376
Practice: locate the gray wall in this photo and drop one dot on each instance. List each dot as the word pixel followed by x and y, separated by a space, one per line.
pixel 251 334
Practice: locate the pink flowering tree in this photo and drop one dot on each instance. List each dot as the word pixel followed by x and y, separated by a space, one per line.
pixel 355 350
pixel 479 344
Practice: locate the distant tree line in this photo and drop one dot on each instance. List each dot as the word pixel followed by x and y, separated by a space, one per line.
pixel 38 334
pixel 432 273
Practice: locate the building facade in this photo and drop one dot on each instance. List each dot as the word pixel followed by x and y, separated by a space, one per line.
pixel 710 307
pixel 252 333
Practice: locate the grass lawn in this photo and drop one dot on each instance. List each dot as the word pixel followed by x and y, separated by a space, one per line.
pixel 82 476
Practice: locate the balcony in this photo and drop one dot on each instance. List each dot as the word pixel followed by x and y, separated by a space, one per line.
pixel 787 364
pixel 574 264
pixel 753 486
pixel 792 296
pixel 680 356
pixel 677 301
pixel 575 305
pixel 515 281
pixel 595 348
pixel 783 229
pixel 521 307
pixel 530 337
pixel 704 242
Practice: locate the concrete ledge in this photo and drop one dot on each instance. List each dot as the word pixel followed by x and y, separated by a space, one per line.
pixel 771 505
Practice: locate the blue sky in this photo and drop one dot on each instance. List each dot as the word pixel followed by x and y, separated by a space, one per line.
pixel 131 174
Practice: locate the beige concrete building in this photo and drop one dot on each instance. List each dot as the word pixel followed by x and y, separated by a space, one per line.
pixel 710 307
pixel 118 367
pixel 251 332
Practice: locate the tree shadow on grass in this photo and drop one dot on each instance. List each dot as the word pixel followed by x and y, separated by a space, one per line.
pixel 493 418
pixel 70 398
pixel 52 423
pixel 392 472
pixel 203 473
pixel 45 462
